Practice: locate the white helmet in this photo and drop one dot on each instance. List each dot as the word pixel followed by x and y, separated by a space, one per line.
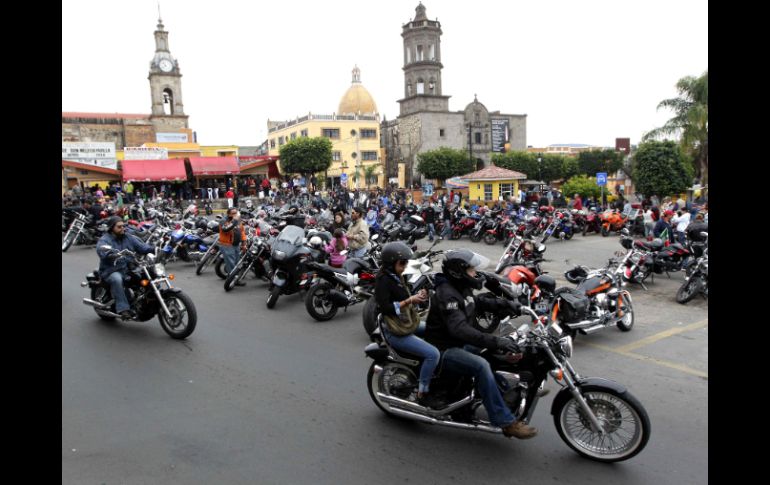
pixel 316 241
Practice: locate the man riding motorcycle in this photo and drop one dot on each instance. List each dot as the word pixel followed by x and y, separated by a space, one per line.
pixel 450 327
pixel 114 270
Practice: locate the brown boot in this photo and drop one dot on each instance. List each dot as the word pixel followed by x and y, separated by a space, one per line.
pixel 519 430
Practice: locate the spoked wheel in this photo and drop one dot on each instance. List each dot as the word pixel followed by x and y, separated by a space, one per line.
pixel 476 237
pixel 219 269
pixel 183 315
pixel 627 322
pixel 236 275
pixel 622 416
pixel 69 238
pixel 395 380
pixel 689 289
pixel 318 304
pixel 206 261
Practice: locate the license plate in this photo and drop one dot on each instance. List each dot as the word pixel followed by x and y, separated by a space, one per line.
pixel 541 308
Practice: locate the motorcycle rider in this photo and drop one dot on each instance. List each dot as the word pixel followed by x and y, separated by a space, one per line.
pixel 451 328
pixel 113 270
pixel 358 234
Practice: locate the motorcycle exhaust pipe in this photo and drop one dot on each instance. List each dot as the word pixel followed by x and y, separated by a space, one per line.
pixel 582 325
pixel 422 409
pixel 338 298
pixel 594 329
pixel 95 304
pixel 450 424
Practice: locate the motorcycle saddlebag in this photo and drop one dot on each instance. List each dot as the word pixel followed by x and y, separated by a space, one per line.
pixel 573 306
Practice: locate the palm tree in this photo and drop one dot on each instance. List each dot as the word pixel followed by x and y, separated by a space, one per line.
pixel 691 121
pixel 371 173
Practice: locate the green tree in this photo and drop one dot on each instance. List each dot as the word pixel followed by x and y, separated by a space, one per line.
pixel 306 155
pixel 552 168
pixel 661 168
pixel 371 173
pixel 690 121
pixel 444 163
pixel 570 168
pixel 592 162
pixel 582 184
pixel 519 161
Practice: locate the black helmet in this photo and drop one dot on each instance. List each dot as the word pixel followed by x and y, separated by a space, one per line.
pixel 112 221
pixel 456 263
pixel 395 251
pixel 576 274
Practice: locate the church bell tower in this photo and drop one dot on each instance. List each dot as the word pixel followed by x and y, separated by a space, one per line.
pixel 165 86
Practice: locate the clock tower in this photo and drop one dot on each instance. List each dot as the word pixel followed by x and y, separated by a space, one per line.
pixel 165 87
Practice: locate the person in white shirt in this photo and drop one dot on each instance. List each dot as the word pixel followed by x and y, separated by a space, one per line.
pixel 681 220
pixel 649 222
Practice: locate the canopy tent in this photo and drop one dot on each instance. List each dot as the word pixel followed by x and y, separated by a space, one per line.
pixel 202 166
pixel 154 170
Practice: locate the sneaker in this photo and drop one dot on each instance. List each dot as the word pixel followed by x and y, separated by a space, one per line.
pixel 519 430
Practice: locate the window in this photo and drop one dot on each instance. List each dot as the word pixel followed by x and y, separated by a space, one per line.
pixel 487 192
pixel 293 136
pixel 419 53
pixel 441 132
pixel 303 133
pixel 336 156
pixel 408 55
pixel 280 140
pixel 432 53
pixel 333 133
pixel 478 138
pixel 506 190
pixel 420 86
pixel 368 156
pixel 272 143
pixel 365 133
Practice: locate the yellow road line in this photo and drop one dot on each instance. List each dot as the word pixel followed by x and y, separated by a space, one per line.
pixel 660 336
pixel 664 363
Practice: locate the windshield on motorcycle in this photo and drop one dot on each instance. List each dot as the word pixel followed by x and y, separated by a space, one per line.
pixel 292 234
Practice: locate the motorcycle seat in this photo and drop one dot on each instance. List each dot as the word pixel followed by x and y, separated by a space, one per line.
pixel 654 245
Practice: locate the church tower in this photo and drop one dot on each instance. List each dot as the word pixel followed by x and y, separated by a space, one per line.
pixel 165 86
pixel 422 65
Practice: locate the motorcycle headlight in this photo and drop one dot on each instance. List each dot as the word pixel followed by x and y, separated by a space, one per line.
pixel 159 269
pixel 566 346
pixel 279 255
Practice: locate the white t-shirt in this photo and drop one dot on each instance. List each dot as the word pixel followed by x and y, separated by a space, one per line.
pixel 682 222
pixel 648 216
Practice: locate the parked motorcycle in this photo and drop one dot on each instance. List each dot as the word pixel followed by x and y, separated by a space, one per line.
pixel 149 292
pixel 612 221
pixel 333 288
pixel 696 281
pixel 465 225
pixel 593 223
pixel 79 233
pixel 560 227
pixel 255 258
pixel 288 258
pixel 598 418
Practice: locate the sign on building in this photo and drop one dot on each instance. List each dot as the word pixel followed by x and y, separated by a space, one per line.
pixel 100 154
pixel 171 138
pixel 145 153
pixel 500 134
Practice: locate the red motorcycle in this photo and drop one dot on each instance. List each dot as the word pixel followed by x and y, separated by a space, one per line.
pixel 593 223
pixel 464 226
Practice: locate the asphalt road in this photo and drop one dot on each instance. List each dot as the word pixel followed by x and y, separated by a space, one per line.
pixel 273 397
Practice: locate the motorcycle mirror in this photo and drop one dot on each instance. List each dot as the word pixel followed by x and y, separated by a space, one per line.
pixel 625 232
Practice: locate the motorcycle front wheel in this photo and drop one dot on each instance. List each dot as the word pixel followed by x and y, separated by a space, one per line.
pixel 236 275
pixel 456 234
pixel 476 237
pixel 318 304
pixel 183 316
pixel 272 298
pixel 627 323
pixel 206 261
pixel 69 238
pixel 490 239
pixel 623 417
pixel 219 269
pixel 689 289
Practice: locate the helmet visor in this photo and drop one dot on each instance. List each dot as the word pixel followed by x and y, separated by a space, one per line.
pixel 478 261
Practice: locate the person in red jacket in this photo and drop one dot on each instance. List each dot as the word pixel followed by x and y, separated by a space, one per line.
pixel 578 204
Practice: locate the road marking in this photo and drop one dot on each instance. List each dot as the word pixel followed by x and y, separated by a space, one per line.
pixel 660 336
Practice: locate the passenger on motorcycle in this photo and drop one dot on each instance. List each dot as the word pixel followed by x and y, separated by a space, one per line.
pixel 113 270
pixel 450 327
pixel 395 302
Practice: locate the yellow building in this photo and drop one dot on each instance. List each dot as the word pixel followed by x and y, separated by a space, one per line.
pixel 354 131
pixel 488 185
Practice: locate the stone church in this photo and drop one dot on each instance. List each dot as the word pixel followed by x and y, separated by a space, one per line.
pixel 425 122
pixel 167 112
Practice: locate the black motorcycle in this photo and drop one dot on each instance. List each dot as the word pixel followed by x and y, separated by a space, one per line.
pixel 149 292
pixel 80 233
pixel 288 258
pixel 598 418
pixel 333 288
pixel 256 258
pixel 696 281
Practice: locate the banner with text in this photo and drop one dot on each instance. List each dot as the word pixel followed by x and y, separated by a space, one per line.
pixel 145 153
pixel 500 134
pixel 101 154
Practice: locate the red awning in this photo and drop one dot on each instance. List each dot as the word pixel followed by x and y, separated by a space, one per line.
pixel 154 170
pixel 214 166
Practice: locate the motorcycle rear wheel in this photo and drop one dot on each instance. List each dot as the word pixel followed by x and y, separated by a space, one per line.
pixel 99 294
pixel 616 412
pixel 391 375
pixel 456 234
pixel 605 232
pixel 317 299
pixel 568 236
pixel 370 316
pixel 176 327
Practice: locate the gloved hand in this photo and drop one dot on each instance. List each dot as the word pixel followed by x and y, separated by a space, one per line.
pixel 507 345
pixel 492 284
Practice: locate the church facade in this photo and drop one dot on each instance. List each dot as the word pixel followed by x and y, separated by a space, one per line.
pixel 425 122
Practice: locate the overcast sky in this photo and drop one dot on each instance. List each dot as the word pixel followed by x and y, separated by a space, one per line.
pixel 585 71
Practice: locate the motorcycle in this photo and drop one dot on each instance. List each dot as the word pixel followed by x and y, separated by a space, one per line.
pixel 612 221
pixel 593 223
pixel 465 225
pixel 333 288
pixel 78 233
pixel 598 418
pixel 497 232
pixel 184 244
pixel 696 280
pixel 560 227
pixel 256 258
pixel 288 258
pixel 519 251
pixel 149 292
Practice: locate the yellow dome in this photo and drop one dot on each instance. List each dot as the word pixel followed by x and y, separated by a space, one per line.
pixel 357 99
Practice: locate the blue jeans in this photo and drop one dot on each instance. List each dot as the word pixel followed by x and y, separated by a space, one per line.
pixel 463 362
pixel 417 346
pixel 357 253
pixel 230 253
pixel 447 228
pixel 431 231
pixel 118 292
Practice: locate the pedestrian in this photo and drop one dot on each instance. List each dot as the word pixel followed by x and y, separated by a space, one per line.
pixel 231 236
pixel 649 222
pixel 577 203
pixel 663 227
pixel 230 196
pixel 429 215
pixel 681 221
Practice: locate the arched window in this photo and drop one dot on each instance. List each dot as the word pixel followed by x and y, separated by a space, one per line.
pixel 168 102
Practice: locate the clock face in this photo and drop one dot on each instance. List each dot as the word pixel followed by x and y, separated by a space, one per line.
pixel 165 65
